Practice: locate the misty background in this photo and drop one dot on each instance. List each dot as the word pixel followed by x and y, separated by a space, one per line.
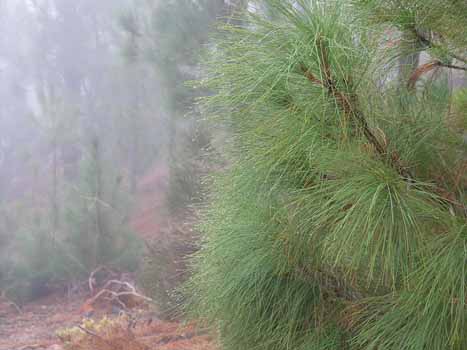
pixel 102 148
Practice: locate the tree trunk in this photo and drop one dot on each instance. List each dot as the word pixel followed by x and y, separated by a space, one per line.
pixel 98 197
pixel 55 218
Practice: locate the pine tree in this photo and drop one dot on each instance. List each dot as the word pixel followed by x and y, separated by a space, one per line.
pixel 173 49
pixel 340 222
pixel 97 212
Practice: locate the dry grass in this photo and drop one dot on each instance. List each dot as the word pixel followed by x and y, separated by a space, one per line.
pixel 124 333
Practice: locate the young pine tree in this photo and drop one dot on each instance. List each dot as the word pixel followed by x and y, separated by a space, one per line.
pixel 341 220
pixel 98 228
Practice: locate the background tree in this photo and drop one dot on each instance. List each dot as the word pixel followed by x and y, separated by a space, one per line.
pixel 341 220
pixel 173 49
pixel 79 128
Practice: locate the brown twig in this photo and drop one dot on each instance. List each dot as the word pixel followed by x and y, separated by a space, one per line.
pixel 428 67
pixel 423 69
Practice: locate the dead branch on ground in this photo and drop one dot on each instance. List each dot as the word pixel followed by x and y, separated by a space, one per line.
pixel 117 291
pixel 9 302
pixel 92 279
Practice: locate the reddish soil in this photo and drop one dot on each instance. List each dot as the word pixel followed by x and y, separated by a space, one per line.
pixel 36 327
pixel 37 323
pixel 150 217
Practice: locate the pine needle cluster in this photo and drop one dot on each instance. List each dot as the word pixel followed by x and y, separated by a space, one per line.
pixel 340 222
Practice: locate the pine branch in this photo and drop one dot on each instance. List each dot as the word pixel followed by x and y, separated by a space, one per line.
pixel 331 282
pixel 428 67
pixel 349 106
pixel 428 42
pixel 451 66
pixel 417 73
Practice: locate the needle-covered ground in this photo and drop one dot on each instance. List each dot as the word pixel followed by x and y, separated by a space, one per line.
pixel 35 326
pixel 45 324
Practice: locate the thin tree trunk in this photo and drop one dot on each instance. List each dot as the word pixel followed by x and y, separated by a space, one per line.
pixel 99 195
pixel 55 219
pixel 134 156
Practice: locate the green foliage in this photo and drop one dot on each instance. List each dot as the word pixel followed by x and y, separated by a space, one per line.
pixel 440 22
pixel 32 260
pixel 171 46
pixel 161 274
pixel 169 36
pixel 36 258
pixel 187 168
pixel 340 222
pixel 172 49
pixel 63 209
pixel 459 115
pixel 97 217
pixel 155 277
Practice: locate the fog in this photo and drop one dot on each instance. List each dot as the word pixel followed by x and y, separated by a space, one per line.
pixel 101 146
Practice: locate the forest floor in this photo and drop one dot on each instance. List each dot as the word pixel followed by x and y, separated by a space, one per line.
pixel 150 217
pixel 37 326
pixel 37 322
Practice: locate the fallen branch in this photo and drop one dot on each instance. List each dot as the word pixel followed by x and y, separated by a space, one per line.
pixel 116 295
pixel 92 280
pixel 10 302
